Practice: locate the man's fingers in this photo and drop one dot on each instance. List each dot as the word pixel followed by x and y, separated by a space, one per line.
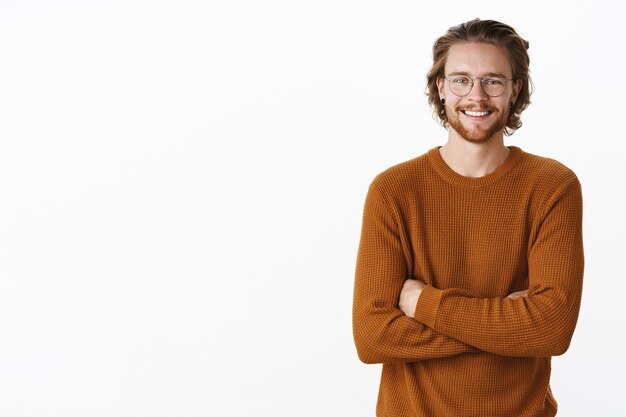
pixel 517 294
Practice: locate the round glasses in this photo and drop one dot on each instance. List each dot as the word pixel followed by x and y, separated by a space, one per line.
pixel 461 85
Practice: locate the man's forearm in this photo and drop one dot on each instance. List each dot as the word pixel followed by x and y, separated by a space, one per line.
pixel 386 335
pixel 540 324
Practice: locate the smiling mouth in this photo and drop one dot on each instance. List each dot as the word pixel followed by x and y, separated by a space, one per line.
pixel 476 113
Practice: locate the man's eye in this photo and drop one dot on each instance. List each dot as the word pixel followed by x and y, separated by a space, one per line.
pixel 493 81
pixel 461 81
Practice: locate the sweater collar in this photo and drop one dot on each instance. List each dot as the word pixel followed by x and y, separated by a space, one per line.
pixel 452 177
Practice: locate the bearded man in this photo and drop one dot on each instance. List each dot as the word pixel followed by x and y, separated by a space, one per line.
pixel 470 264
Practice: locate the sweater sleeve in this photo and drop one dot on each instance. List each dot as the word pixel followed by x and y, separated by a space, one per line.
pixel 382 332
pixel 539 325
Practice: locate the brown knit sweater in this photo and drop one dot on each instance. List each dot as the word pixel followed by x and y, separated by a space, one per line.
pixel 469 351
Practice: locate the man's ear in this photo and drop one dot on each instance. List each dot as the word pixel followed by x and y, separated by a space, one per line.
pixel 517 87
pixel 440 87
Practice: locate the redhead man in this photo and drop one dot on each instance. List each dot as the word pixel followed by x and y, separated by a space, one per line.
pixel 470 263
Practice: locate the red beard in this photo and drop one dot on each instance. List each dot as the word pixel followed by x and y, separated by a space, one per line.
pixel 475 134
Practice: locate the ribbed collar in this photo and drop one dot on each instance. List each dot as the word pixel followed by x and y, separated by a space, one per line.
pixel 458 180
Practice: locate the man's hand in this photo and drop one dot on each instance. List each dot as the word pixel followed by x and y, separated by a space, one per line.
pixel 517 294
pixel 409 295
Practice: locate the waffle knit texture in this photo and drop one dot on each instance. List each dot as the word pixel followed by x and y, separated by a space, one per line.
pixel 469 351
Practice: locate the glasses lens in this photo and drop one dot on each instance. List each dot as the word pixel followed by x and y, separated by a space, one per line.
pixel 460 85
pixel 493 87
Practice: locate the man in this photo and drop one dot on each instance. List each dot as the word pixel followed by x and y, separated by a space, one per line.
pixel 470 264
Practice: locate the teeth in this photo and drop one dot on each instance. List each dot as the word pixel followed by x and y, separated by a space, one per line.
pixel 476 113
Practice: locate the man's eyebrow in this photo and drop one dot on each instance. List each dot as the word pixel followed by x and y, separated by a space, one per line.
pixel 489 74
pixel 459 73
pixel 495 74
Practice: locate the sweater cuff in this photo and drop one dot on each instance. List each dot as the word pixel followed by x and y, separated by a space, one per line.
pixel 428 306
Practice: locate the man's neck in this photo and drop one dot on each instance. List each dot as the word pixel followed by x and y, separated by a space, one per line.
pixel 474 159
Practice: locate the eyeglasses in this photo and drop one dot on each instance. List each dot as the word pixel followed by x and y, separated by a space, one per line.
pixel 461 85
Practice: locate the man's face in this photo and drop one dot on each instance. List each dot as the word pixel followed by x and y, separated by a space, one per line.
pixel 477 117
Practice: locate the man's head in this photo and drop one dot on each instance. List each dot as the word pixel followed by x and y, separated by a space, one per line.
pixel 481 33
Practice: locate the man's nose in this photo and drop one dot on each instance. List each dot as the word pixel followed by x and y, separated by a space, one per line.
pixel 477 92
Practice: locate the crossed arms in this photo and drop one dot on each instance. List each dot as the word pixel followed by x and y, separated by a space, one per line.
pixel 396 319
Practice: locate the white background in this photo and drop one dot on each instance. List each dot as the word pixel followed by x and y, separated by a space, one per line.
pixel 182 183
